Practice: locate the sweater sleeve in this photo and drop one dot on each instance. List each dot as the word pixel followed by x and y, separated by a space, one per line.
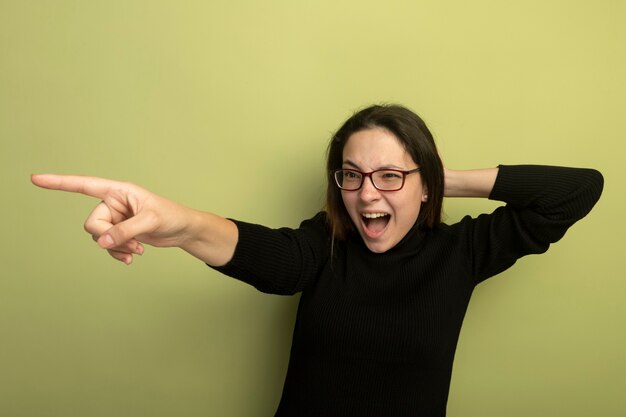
pixel 542 202
pixel 279 261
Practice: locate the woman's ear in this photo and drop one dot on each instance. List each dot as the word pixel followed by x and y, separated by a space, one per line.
pixel 424 194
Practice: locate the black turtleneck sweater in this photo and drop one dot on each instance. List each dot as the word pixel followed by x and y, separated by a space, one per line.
pixel 375 334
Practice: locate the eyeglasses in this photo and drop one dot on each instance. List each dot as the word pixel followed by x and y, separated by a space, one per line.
pixel 382 179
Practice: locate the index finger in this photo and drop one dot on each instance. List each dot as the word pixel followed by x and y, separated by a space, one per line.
pixel 91 186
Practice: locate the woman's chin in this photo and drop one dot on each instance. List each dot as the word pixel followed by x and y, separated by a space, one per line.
pixel 376 244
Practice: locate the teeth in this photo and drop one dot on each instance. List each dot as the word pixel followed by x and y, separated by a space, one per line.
pixel 374 215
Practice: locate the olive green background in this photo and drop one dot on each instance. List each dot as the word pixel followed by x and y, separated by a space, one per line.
pixel 227 107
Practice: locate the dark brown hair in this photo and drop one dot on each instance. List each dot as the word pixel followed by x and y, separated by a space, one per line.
pixel 413 134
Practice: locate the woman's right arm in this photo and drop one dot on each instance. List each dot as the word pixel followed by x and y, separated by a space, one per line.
pixel 129 216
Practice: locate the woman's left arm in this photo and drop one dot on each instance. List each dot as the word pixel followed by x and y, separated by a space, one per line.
pixel 469 183
pixel 542 202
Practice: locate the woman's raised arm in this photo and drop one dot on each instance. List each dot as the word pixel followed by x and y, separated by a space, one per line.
pixel 469 183
pixel 129 215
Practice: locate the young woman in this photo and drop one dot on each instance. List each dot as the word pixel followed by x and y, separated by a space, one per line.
pixel 385 284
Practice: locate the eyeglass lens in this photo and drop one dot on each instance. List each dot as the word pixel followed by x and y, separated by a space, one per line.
pixel 386 180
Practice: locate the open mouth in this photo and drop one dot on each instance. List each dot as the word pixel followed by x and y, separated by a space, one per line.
pixel 375 223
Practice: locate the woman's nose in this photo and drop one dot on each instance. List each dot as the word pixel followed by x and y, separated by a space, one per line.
pixel 368 191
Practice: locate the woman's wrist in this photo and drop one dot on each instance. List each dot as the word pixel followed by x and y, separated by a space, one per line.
pixel 210 238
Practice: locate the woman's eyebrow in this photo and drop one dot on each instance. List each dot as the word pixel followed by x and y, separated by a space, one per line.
pixel 350 163
pixel 389 166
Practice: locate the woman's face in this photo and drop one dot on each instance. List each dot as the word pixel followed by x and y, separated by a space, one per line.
pixel 382 218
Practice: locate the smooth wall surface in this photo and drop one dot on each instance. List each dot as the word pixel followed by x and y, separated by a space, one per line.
pixel 227 107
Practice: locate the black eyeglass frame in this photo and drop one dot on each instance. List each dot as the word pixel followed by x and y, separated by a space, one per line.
pixel 369 174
